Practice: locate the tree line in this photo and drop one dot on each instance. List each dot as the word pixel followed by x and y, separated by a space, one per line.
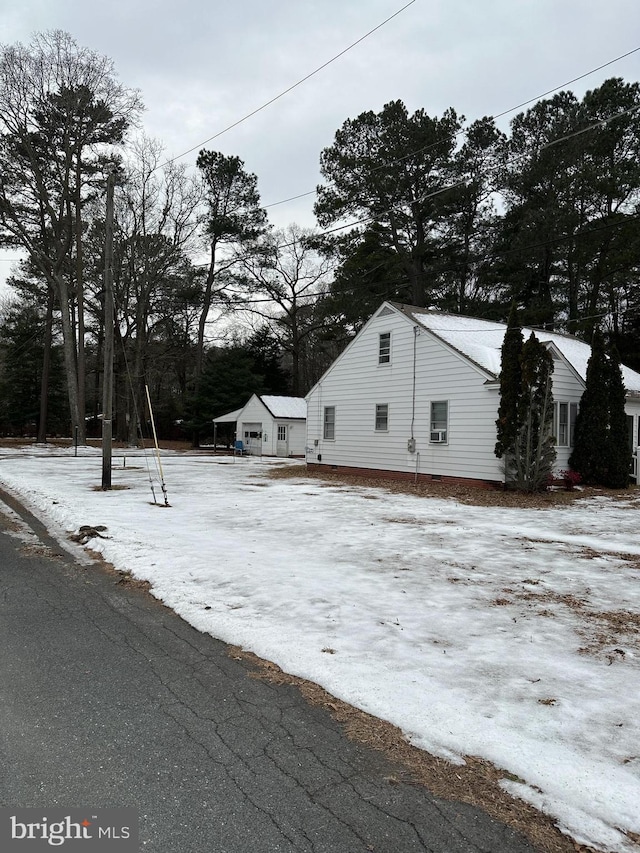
pixel 214 303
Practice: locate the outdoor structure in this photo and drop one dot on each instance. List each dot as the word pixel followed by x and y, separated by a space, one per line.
pixel 270 425
pixel 416 394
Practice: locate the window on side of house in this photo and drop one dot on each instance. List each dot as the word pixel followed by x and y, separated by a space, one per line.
pixel 561 429
pixel 329 431
pixel 564 423
pixel 382 417
pixel 573 414
pixel 384 348
pixel 282 432
pixel 439 422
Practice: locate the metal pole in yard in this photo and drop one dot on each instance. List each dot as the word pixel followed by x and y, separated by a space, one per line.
pixel 109 318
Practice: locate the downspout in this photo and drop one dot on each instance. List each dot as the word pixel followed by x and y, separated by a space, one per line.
pixel 413 390
pixel 411 443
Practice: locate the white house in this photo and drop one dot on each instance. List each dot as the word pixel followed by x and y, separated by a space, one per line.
pixel 271 425
pixel 416 394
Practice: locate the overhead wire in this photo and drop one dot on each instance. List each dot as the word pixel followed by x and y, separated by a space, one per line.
pixel 428 195
pixel 290 88
pixel 405 156
pixel 494 117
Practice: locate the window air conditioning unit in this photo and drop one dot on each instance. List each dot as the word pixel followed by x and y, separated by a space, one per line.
pixel 439 436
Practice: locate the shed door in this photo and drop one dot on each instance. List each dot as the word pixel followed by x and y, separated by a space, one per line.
pixel 282 444
pixel 252 438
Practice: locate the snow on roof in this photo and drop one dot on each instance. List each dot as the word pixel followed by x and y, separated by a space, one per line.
pixel 481 342
pixel 286 407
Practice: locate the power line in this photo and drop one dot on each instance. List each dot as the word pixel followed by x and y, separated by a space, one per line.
pixel 494 117
pixel 568 83
pixel 406 156
pixel 290 88
pixel 585 232
pixel 441 190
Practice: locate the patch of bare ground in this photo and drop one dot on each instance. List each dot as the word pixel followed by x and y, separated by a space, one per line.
pixel 477 782
pixel 39 550
pixel 119 577
pixel 602 630
pixel 473 495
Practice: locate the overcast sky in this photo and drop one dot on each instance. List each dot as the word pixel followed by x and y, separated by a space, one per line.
pixel 201 65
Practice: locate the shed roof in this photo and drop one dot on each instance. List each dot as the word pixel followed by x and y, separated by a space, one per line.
pixel 292 408
pixel 481 341
pixel 228 418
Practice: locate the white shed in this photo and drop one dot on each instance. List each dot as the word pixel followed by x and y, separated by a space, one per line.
pixel 270 425
pixel 416 393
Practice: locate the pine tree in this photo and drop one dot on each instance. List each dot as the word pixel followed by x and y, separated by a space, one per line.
pixel 510 385
pixel 21 354
pixel 591 442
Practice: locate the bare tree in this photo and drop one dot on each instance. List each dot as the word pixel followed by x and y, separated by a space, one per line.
pixel 61 108
pixel 284 280
pixel 156 219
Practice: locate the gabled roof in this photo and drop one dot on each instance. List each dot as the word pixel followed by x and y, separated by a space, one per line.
pixel 480 341
pixel 292 408
pixel 230 417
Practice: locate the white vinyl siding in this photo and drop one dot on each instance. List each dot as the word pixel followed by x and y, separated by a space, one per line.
pixel 382 417
pixel 354 384
pixel 256 412
pixel 567 391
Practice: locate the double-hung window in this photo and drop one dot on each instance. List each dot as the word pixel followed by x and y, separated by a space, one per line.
pixel 439 421
pixel 384 348
pixel 564 422
pixel 382 417
pixel 329 431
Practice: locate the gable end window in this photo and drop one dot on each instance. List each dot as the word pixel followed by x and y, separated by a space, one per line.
pixel 438 432
pixel 384 348
pixel 329 431
pixel 382 417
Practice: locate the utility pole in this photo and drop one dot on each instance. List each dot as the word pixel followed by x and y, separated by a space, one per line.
pixel 109 319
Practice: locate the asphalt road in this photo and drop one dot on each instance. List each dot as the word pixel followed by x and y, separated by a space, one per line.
pixel 108 699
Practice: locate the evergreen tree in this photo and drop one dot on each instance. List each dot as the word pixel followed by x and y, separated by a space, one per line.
pixel 589 457
pixel 267 353
pixel 227 382
pixel 525 413
pixel 619 452
pixel 21 347
pixel 535 453
pixel 510 385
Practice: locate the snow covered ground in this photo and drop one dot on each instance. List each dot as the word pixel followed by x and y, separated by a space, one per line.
pixel 510 634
